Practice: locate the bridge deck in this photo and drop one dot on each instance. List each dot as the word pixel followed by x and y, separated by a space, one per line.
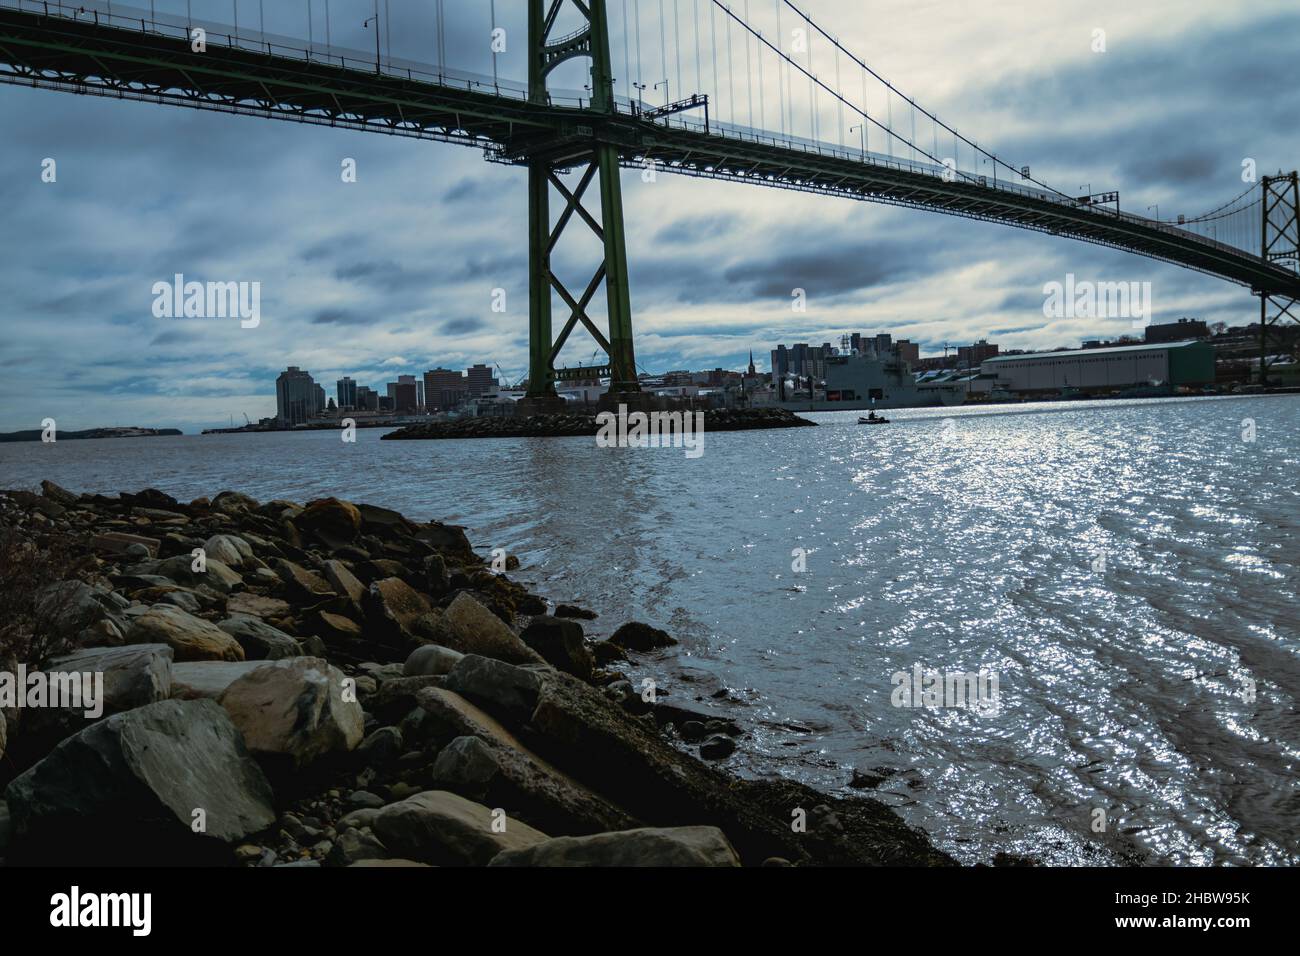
pixel 144 63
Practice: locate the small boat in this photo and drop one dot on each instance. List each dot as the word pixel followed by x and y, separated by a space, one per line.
pixel 873 420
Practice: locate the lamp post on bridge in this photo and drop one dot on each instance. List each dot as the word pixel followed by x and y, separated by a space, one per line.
pixel 664 84
pixel 366 26
pixel 862 128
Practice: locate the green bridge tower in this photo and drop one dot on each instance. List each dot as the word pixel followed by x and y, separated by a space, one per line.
pixel 583 146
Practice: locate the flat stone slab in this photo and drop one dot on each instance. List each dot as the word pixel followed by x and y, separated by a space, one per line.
pixel 194 680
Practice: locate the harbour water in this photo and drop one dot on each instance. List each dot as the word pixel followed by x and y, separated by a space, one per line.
pixel 1129 570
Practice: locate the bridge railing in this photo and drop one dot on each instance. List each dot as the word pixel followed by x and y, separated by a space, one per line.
pixel 140 20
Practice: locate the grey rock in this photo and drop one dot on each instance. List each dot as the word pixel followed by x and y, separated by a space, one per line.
pixel 355 845
pixel 196 680
pixel 362 819
pixel 73 607
pixel 229 549
pixel 233 503
pixel 134 676
pixel 560 642
pixel 472 629
pixel 260 641
pixel 128 788
pixel 430 659
pixel 467 766
pixel 506 691
pixel 635 636
pixel 381 747
pixel 649 846
pixel 445 829
pixel 717 747
pixel 489 764
pixel 294 709
pixel 190 638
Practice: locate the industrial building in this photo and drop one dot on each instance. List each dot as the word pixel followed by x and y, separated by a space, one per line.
pixel 1106 369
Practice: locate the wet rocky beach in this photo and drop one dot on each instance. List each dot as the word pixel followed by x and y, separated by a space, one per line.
pixel 332 683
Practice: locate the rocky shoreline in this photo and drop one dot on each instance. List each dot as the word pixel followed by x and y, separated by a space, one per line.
pixel 555 426
pixel 335 684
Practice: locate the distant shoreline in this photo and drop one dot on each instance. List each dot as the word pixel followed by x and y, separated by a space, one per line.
pixel 36 434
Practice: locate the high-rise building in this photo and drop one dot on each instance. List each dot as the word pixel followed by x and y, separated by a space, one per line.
pixel 799 359
pixel 367 399
pixel 780 362
pixel 404 395
pixel 909 352
pixel 478 379
pixel 297 397
pixel 347 392
pixel 444 388
pixel 410 394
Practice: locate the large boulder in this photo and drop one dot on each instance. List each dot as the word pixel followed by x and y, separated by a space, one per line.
pixel 508 692
pixel 561 644
pixel 592 739
pixel 447 830
pixel 233 503
pixel 169 782
pixel 394 609
pixel 190 638
pixel 179 569
pixel 295 710
pixel 76 611
pixel 649 846
pixel 301 583
pixel 472 629
pixel 229 549
pixel 57 493
pixel 260 641
pixel 488 763
pixel 333 522
pixel 132 676
pixel 430 659
pixel 344 581
pixel 383 522
pixel 635 636
pixel 119 542
pixel 257 605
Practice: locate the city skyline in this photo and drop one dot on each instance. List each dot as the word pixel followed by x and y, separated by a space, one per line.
pixel 358 278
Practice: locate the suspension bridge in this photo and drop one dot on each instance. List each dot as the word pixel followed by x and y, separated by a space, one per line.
pixel 752 91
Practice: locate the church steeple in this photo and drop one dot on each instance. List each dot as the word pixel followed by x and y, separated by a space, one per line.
pixel 752 371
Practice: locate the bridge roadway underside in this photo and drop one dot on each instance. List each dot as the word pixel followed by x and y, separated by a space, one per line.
pixel 83 57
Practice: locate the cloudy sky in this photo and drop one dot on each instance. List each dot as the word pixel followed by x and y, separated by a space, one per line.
pixel 395 273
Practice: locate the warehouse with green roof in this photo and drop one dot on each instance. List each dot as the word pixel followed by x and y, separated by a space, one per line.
pixel 1102 370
